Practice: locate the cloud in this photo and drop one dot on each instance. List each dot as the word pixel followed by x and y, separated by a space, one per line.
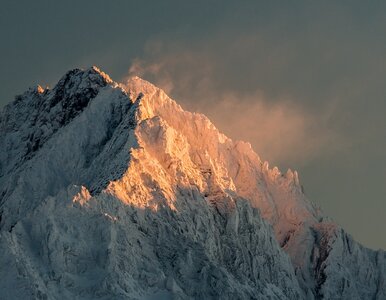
pixel 281 132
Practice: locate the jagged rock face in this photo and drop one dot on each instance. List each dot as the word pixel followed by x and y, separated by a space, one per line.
pixel 29 121
pixel 114 191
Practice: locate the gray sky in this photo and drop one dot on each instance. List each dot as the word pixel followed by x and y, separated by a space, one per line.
pixel 303 81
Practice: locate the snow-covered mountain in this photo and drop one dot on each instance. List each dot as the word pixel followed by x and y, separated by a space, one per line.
pixel 112 191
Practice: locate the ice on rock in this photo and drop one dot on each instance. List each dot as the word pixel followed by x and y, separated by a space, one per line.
pixel 112 191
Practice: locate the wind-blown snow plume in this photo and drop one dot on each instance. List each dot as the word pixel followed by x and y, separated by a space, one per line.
pixel 282 123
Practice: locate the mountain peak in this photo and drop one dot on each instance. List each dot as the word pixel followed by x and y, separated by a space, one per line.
pixel 118 180
pixel 77 87
pixel 38 113
pixel 83 79
pixel 135 86
pixel 105 76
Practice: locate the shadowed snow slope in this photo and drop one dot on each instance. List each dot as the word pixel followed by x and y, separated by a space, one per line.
pixel 113 191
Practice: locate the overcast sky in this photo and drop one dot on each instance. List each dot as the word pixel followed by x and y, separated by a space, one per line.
pixel 303 81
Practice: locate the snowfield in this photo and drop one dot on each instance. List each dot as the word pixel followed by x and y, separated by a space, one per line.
pixel 112 191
